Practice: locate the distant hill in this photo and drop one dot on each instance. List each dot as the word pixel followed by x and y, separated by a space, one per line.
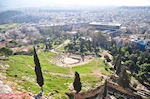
pixel 6 16
pixel 134 7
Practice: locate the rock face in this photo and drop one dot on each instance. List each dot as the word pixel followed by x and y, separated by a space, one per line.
pixel 4 88
pixel 78 96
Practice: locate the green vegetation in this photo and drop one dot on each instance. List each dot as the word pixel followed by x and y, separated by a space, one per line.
pixel 107 58
pixel 124 79
pixel 89 67
pixel 61 49
pixel 21 71
pixel 6 51
pixel 9 25
pixel 87 45
pixel 38 71
pixel 131 58
pixel 44 58
pixel 77 84
pixel 48 44
pixel 103 71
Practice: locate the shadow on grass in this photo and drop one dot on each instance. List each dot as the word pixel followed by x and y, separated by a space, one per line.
pixel 4 59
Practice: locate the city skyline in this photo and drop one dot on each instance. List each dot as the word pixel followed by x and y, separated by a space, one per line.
pixel 80 3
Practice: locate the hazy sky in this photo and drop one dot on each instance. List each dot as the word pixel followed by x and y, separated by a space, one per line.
pixel 39 3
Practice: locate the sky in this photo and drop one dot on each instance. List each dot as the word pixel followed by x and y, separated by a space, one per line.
pixel 41 3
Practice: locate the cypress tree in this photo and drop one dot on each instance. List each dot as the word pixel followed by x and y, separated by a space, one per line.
pixel 38 70
pixel 105 89
pixel 115 61
pixel 118 66
pixel 124 79
pixel 77 84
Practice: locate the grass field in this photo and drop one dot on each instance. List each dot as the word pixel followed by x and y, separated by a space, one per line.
pixel 20 72
pixel 87 68
pixel 9 25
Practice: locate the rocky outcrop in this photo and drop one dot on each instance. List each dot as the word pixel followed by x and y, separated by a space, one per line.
pixel 4 88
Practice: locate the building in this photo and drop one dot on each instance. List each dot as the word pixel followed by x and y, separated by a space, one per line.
pixel 139 40
pixel 141 45
pixel 120 41
pixel 105 25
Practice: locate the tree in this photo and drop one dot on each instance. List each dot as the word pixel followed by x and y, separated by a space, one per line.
pixel 82 47
pixel 13 41
pixel 144 72
pixel 89 45
pixel 77 84
pixel 124 79
pixel 105 89
pixel 69 47
pixel 107 58
pixel 131 65
pixel 6 51
pixel 133 57
pixel 38 71
pixel 144 58
pixel 118 66
pixel 96 50
pixel 115 60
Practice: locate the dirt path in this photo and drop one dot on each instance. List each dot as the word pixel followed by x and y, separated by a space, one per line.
pixel 59 74
pixel 97 75
pixel 95 72
pixel 71 72
pixel 55 50
pixel 110 56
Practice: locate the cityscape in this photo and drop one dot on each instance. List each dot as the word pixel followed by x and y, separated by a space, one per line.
pixel 72 50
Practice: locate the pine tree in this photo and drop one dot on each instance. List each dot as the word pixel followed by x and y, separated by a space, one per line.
pixel 105 89
pixel 38 70
pixel 124 79
pixel 77 84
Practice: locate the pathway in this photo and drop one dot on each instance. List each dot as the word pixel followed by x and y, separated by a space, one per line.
pixel 55 49
pixel 110 56
pixel 95 72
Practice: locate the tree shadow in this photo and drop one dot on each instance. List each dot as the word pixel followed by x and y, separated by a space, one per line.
pixel 4 59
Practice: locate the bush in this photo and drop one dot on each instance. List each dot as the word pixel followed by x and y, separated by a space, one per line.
pixel 30 52
pixel 111 68
pixel 134 85
pixel 107 58
pixel 6 51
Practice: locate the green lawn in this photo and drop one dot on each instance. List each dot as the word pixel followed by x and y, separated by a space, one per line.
pixel 103 71
pixel 9 25
pixel 20 72
pixel 87 68
pixel 44 58
pixel 26 76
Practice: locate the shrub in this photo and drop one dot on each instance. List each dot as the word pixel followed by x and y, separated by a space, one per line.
pixel 107 58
